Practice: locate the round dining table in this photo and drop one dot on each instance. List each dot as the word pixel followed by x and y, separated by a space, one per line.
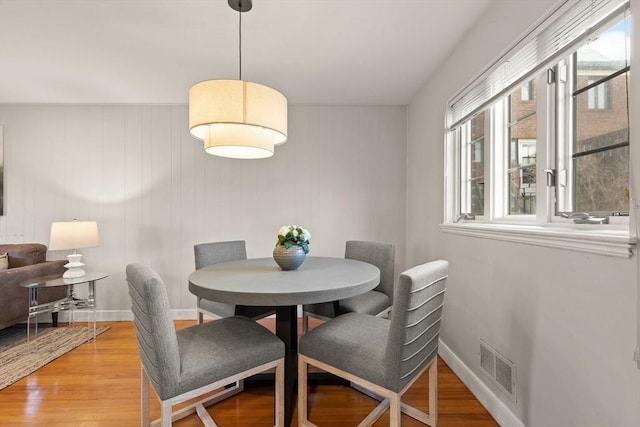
pixel 260 282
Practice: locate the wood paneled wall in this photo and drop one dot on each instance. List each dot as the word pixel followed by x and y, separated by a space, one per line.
pixel 155 193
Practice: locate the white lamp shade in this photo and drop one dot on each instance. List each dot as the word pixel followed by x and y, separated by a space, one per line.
pixel 256 117
pixel 238 141
pixel 73 235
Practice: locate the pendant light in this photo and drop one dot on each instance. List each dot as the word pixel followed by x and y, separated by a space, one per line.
pixel 236 118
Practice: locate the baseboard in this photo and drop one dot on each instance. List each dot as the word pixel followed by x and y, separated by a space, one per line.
pixel 498 410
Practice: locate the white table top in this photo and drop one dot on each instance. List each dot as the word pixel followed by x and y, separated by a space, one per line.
pixel 260 281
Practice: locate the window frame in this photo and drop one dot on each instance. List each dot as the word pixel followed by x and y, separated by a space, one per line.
pixel 545 227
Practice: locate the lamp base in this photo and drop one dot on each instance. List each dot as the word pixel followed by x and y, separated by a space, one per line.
pixel 74 267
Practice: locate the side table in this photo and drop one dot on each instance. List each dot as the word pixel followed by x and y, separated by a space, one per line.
pixel 70 302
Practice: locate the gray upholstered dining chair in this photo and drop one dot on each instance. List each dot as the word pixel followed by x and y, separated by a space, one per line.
pixel 214 253
pixel 377 302
pixel 383 356
pixel 194 361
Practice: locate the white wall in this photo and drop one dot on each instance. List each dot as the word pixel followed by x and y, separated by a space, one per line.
pixel 566 319
pixel 155 193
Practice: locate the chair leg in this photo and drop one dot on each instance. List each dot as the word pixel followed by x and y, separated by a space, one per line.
pixel 204 416
pixel 302 391
pixel 200 317
pixel 430 419
pixel 375 414
pixel 394 409
pixel 433 392
pixel 144 398
pixel 228 391
pixel 165 414
pixel 198 407
pixel 279 395
pixel 305 323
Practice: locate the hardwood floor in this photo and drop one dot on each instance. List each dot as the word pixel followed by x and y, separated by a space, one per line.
pixel 98 384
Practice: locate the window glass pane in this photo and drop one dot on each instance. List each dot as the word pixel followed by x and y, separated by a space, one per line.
pixel 521 107
pixel 602 127
pixel 475 183
pixel 599 152
pixel 521 170
pixel 603 56
pixel 601 181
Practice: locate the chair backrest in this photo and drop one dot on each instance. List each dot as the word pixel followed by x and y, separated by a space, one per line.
pixel 382 255
pixel 217 252
pixel 415 321
pixel 157 339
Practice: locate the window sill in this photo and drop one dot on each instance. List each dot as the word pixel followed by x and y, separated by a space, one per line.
pixel 609 241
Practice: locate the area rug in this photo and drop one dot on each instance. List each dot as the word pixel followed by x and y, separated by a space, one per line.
pixel 19 357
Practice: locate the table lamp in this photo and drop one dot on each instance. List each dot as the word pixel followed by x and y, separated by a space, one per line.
pixel 73 235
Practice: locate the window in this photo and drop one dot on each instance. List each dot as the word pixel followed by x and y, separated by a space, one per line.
pixel 547 143
pixel 472 165
pixel 594 151
pixel 521 131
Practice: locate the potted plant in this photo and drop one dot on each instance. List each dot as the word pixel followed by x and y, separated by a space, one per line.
pixel 292 247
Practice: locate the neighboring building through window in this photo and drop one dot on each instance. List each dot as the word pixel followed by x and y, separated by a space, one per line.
pixel 526 91
pixel 599 98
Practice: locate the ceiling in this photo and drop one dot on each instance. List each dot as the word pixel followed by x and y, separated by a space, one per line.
pixel 355 52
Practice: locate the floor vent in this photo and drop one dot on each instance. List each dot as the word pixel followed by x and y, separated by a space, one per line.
pixel 500 370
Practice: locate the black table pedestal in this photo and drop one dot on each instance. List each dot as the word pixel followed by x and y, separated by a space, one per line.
pixel 287 331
